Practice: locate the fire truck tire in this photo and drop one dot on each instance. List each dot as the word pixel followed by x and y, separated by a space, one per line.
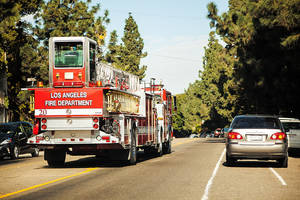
pixel 55 158
pixel 160 144
pixel 168 147
pixel 133 149
pixel 35 152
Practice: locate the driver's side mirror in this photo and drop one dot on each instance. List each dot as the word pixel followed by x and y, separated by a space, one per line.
pixel 287 130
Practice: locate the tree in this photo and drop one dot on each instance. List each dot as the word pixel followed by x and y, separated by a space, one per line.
pixel 58 18
pixel 131 52
pixel 69 18
pixel 218 86
pixel 265 35
pixel 15 39
pixel 113 49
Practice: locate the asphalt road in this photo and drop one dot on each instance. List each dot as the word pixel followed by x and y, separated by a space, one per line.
pixel 196 169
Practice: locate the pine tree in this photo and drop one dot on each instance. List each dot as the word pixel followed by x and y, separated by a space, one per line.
pixel 113 49
pixel 265 36
pixel 58 18
pixel 131 51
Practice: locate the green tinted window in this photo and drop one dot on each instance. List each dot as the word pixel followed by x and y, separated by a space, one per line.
pixel 68 54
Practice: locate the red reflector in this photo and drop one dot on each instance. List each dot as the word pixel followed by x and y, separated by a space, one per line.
pixel 96 126
pixel 234 136
pixel 37 141
pixel 36 129
pixel 81 139
pixel 57 84
pixel 95 120
pixel 44 126
pixel 72 139
pixel 107 138
pixel 31 141
pixel 78 84
pixel 68 84
pixel 63 140
pixel 44 120
pixel 278 136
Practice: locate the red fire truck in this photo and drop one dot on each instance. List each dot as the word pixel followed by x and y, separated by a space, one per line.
pixel 91 108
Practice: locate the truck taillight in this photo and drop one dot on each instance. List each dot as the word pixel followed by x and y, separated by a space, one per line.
pixel 278 136
pixel 96 123
pixel 44 124
pixel 234 136
pixel 96 126
pixel 36 127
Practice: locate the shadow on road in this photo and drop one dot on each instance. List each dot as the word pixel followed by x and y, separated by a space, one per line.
pixel 295 154
pixel 214 140
pixel 254 164
pixel 8 161
pixel 93 161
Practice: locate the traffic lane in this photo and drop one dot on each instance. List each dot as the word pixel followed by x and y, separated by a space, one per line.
pixel 180 175
pixel 249 179
pixel 27 171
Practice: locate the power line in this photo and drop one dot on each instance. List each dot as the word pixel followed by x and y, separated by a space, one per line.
pixel 176 58
pixel 158 15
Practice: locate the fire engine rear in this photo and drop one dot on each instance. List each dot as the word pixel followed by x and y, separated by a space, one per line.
pixel 91 108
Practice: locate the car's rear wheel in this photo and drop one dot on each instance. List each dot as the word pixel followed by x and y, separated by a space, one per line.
pixel 283 162
pixel 14 153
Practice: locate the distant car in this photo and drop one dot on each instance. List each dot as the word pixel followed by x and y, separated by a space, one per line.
pixel 292 127
pixel 13 140
pixel 224 132
pixel 209 134
pixel 217 133
pixel 194 136
pixel 256 137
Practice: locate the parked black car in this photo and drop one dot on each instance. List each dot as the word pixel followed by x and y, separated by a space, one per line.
pixel 13 140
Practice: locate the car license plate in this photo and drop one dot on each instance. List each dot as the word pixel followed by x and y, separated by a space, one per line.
pixel 254 137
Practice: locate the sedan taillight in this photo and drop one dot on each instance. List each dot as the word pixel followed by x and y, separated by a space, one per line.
pixel 278 136
pixel 234 136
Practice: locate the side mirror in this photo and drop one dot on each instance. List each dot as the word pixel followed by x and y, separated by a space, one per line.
pixel 287 130
pixel 175 103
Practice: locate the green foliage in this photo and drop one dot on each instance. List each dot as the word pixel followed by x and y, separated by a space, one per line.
pixel 257 70
pixel 127 56
pixel 113 49
pixel 21 53
pixel 59 18
pixel 14 40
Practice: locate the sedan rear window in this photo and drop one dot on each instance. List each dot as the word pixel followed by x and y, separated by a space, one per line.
pixel 255 123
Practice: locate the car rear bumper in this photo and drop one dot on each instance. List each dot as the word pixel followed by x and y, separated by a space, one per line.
pixel 275 151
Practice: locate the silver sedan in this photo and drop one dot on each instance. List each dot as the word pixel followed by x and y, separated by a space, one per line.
pixel 256 137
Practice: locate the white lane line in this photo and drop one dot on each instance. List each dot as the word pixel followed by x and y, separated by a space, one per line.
pixel 278 176
pixel 210 181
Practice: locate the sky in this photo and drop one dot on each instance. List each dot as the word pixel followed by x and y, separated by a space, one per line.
pixel 174 33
